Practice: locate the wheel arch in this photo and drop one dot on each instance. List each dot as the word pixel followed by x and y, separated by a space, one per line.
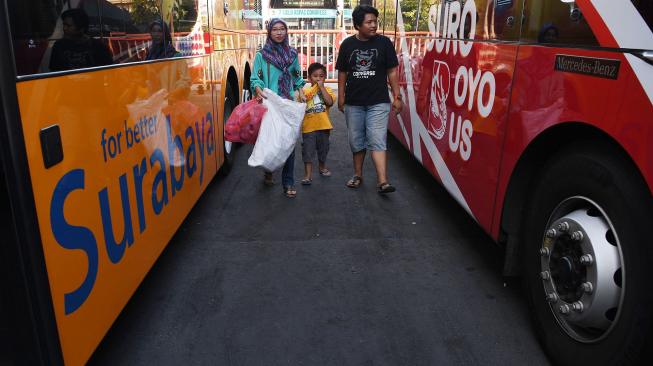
pixel 536 154
pixel 232 81
pixel 247 73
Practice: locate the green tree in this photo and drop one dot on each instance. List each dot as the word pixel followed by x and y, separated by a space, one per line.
pixel 410 8
pixel 144 12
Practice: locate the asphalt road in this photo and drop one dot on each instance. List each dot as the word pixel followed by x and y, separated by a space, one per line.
pixel 336 276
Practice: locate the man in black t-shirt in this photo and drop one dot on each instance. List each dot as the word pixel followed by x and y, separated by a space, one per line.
pixel 366 61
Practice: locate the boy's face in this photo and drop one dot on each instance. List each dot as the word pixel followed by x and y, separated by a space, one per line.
pixel 317 76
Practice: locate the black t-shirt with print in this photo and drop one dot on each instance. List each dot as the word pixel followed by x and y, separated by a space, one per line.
pixel 366 64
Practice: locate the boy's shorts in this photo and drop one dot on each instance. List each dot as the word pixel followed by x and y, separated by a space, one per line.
pixel 367 126
pixel 315 143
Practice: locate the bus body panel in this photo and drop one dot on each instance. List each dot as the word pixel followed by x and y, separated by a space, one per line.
pixel 476 171
pixel 123 142
pixel 544 97
pixel 456 97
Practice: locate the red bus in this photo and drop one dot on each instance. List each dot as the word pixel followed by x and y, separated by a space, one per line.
pixel 112 126
pixel 537 116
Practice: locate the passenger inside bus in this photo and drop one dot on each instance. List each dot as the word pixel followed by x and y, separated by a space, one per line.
pixel 76 49
pixel 161 46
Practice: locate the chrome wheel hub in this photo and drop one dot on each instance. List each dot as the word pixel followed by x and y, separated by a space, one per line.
pixel 582 269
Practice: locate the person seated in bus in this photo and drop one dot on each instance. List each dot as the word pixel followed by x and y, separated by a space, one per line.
pixel 76 50
pixel 548 34
pixel 161 46
pixel 276 67
pixel 316 127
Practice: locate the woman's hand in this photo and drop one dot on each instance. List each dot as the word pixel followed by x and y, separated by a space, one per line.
pixel 302 96
pixel 260 95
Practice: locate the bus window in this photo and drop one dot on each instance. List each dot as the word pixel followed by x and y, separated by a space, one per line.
pixel 490 19
pixel 127 29
pixel 45 41
pixel 557 22
pixel 645 8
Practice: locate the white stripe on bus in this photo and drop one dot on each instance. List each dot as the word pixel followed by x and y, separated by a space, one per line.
pixel 420 133
pixel 625 23
pixel 630 31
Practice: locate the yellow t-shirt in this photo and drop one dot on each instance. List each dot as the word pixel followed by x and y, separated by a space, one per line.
pixel 317 113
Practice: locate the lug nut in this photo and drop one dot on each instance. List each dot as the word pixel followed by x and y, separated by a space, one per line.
pixel 545 275
pixel 577 306
pixel 545 252
pixel 563 226
pixel 586 259
pixel 551 233
pixel 552 297
pixel 577 236
pixel 587 287
pixel 564 309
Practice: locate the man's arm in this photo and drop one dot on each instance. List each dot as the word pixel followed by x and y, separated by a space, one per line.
pixel 393 78
pixel 342 81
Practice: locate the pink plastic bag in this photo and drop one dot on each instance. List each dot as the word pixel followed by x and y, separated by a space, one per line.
pixel 244 123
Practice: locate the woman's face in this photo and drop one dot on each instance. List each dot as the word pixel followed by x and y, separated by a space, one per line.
pixel 157 33
pixel 278 32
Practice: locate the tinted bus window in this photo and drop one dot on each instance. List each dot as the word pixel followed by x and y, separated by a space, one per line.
pixel 37 26
pixel 126 27
pixel 488 19
pixel 50 36
pixel 645 8
pixel 557 22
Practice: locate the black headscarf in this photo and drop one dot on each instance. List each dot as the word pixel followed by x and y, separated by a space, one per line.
pixel 163 49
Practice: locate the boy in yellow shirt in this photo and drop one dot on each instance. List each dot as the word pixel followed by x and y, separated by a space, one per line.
pixel 316 126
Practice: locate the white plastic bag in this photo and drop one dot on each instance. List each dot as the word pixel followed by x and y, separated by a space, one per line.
pixel 280 130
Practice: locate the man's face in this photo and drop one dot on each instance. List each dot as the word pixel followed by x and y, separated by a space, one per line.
pixel 368 28
pixel 70 29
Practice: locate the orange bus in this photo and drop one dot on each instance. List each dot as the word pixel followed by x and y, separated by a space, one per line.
pixel 111 129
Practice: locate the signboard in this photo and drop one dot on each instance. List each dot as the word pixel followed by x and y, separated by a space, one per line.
pixel 303 13
pixel 250 14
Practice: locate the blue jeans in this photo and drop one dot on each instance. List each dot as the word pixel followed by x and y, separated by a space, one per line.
pixel 288 172
pixel 367 126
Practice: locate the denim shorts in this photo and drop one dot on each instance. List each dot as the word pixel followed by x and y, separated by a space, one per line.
pixel 367 126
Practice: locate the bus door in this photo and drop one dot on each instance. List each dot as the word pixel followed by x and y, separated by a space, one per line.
pixel 457 64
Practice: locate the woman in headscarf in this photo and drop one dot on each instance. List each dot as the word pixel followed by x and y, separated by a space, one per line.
pixel 161 42
pixel 276 67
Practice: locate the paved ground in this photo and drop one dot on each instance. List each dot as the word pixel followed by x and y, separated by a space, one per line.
pixel 334 277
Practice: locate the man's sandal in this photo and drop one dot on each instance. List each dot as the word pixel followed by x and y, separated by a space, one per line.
pixel 325 172
pixel 385 187
pixel 355 182
pixel 307 181
pixel 290 192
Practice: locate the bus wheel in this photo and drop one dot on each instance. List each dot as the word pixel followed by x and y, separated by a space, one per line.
pixel 585 258
pixel 228 147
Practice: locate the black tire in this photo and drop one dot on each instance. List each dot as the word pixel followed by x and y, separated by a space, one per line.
pixel 606 178
pixel 228 148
